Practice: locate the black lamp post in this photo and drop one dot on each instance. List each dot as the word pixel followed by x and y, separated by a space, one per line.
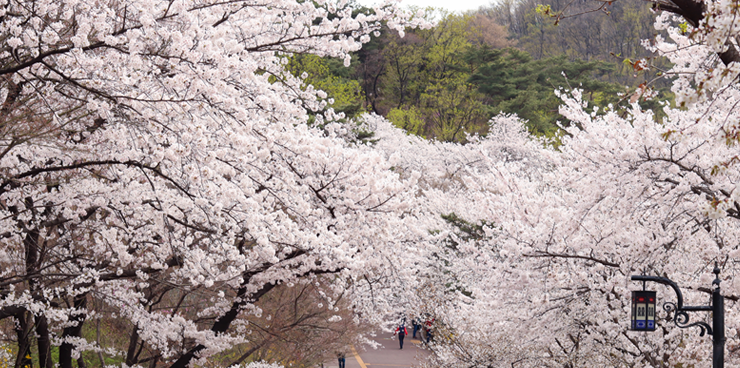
pixel 643 318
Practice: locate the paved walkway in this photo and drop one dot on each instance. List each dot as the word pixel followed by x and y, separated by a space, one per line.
pixel 388 355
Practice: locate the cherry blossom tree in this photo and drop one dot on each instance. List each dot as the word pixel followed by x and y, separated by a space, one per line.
pixel 157 166
pixel 546 281
pixel 533 268
pixel 465 193
pixel 646 196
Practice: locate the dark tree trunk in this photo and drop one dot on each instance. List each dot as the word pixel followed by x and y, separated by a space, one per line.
pixel 23 332
pixel 153 363
pixel 44 343
pixel 223 323
pixel 132 342
pixel 65 350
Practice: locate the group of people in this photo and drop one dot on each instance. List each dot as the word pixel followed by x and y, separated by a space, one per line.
pixel 417 325
pixel 424 329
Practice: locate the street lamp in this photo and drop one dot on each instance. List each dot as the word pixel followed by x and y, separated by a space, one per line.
pixel 643 310
pixel 643 319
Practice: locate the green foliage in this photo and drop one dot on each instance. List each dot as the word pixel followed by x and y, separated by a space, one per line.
pixel 445 82
pixel 545 10
pixel 425 80
pixel 408 119
pixel 466 230
pixel 516 83
pixel 452 109
pixel 108 334
pixel 582 30
pixel 330 75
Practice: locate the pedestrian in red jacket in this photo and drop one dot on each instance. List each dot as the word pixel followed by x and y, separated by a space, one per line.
pixel 401 331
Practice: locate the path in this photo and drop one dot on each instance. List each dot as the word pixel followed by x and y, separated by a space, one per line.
pixel 388 355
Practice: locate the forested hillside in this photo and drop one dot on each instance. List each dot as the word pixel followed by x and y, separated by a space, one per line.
pixel 587 31
pixel 508 57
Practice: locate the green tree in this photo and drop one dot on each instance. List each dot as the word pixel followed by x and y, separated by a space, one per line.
pixel 404 63
pixel 344 93
pixel 451 106
pixel 427 79
pixel 408 119
pixel 514 82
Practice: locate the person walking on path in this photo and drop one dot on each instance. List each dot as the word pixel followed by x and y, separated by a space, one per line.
pixel 401 331
pixel 428 329
pixel 415 324
pixel 342 360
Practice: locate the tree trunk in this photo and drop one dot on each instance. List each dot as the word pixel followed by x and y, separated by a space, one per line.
pixel 133 341
pixel 44 343
pixel 223 323
pixel 65 350
pixel 23 332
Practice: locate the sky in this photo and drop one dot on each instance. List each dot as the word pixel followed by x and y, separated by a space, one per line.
pixel 451 5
